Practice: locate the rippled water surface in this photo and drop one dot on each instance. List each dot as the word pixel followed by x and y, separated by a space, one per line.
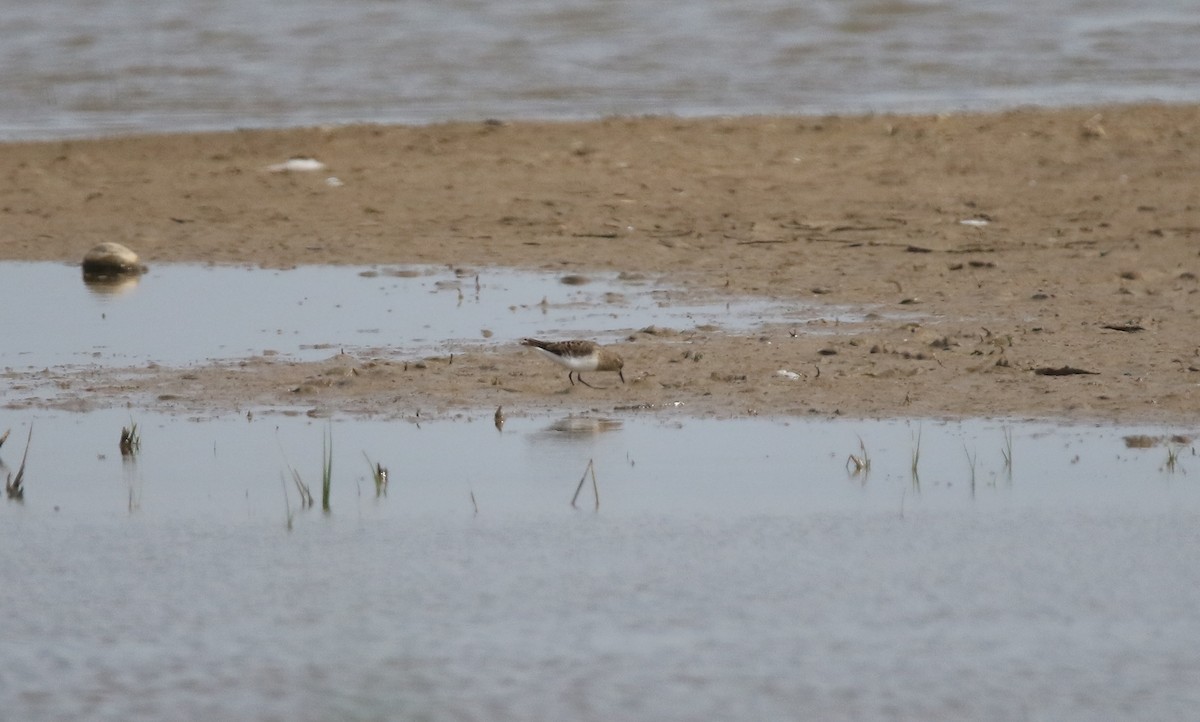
pixel 79 67
pixel 734 569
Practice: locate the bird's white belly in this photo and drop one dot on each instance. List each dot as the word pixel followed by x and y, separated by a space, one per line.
pixel 575 363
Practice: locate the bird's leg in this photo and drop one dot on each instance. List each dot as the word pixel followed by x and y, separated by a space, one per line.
pixel 585 383
pixel 571 379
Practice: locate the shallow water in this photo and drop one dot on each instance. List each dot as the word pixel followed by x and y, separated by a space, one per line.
pixel 735 569
pixel 80 67
pixel 228 468
pixel 310 312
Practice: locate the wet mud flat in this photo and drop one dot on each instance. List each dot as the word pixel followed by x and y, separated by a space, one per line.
pixel 402 341
pixel 375 340
pixel 1025 240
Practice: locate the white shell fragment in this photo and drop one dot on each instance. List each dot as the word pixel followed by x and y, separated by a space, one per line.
pixel 111 260
pixel 297 165
pixel 789 375
pixel 974 222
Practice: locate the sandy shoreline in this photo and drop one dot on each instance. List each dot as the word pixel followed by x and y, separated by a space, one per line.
pixel 1081 250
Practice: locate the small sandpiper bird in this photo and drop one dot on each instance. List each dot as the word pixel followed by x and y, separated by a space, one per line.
pixel 577 356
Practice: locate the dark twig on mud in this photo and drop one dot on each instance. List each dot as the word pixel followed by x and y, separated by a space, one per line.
pixel 1063 371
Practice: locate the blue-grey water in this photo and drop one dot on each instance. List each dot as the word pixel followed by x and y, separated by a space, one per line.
pixel 307 313
pixel 83 67
pixel 734 570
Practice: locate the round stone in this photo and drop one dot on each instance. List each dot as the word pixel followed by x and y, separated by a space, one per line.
pixel 111 259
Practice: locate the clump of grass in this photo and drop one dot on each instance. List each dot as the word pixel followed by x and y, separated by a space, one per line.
pixel 971 457
pixel 1007 451
pixel 591 466
pixel 861 464
pixel 287 504
pixel 326 468
pixel 916 459
pixel 306 497
pixel 379 474
pixel 15 487
pixel 1172 458
pixel 131 440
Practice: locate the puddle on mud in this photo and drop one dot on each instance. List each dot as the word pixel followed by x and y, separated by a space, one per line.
pixel 734 569
pixel 186 314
